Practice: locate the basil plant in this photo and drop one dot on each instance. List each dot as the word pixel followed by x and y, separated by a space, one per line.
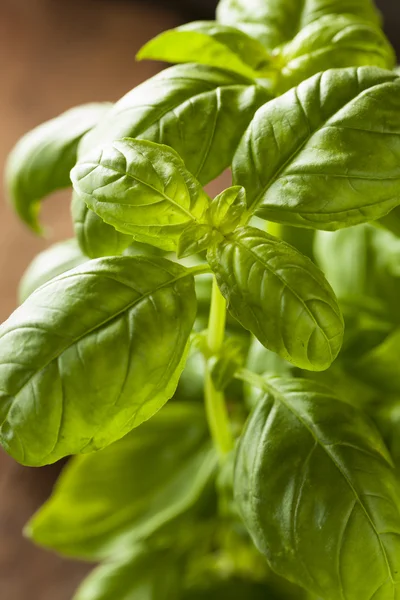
pixel 277 302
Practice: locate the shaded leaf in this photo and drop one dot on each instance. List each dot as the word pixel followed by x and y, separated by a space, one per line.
pixel 141 575
pixel 131 490
pixel 41 161
pixel 95 237
pixel 53 261
pixel 318 493
pixel 276 21
pixel 333 41
pixel 225 101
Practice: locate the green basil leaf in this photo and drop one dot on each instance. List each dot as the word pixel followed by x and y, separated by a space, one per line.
pixel 142 189
pixel 317 491
pixel 226 102
pixel 191 384
pixel 344 257
pixel 280 296
pixel 41 161
pixel 387 418
pixel 209 43
pixel 262 361
pixel 54 261
pixel 227 209
pixel 131 490
pixel 325 155
pixel 95 237
pixel 143 574
pixel 91 355
pixel 231 589
pixel 194 239
pixel 380 366
pixel 368 280
pixel 274 22
pixel 230 359
pixel 391 222
pixel 330 42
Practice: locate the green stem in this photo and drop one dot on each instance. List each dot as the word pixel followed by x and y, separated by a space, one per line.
pixel 200 270
pixel 253 379
pixel 217 414
pixel 275 229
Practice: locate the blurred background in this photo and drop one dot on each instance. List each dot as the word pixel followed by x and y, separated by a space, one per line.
pixel 55 54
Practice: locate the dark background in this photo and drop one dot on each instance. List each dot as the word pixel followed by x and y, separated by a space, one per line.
pixel 55 54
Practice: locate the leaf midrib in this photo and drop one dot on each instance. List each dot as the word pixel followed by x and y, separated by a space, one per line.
pixel 255 204
pixel 278 394
pixel 134 178
pixel 285 284
pixel 74 341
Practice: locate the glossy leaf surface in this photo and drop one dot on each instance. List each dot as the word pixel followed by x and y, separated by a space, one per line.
pixel 95 237
pixel 91 355
pixel 228 209
pixel 209 43
pixel 166 108
pixel 130 490
pixel 331 42
pixel 326 154
pixel 318 494
pixel 142 189
pixel 274 22
pixel 41 161
pixel 280 296
pixel 57 259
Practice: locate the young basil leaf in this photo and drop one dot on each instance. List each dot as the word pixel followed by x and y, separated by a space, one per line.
pixel 317 491
pixel 325 155
pixel 227 209
pixel 142 189
pixel 54 261
pixel 92 354
pixel 41 161
pixel 209 43
pixel 330 42
pixel 143 574
pixel 95 237
pixel 194 239
pixel 280 296
pixel 226 102
pixel 274 22
pixel 131 490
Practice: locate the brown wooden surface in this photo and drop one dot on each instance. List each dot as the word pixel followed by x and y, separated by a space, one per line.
pixel 53 54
